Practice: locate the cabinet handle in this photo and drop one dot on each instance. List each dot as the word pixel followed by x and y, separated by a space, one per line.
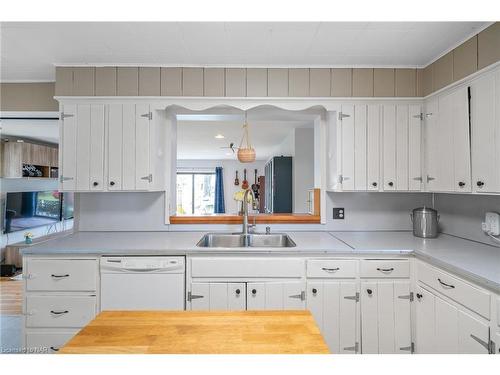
pixel 54 349
pixel 59 276
pixel 112 183
pixel 385 269
pixel 330 269
pixel 369 291
pixel 480 184
pixel 391 184
pixel 374 184
pixel 314 290
pixel 461 184
pixel 446 285
pixel 95 183
pixel 59 312
pixel 238 291
pixel 419 295
pixel 254 291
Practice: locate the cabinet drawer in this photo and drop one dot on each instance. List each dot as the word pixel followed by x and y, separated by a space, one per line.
pixel 59 311
pixel 61 275
pixel 247 267
pixel 48 342
pixel 385 268
pixel 471 297
pixel 331 268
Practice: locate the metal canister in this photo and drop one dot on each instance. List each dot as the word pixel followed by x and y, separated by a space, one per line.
pixel 425 222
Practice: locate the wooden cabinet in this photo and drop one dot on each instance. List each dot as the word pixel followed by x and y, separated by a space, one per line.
pixel 385 317
pixel 15 154
pixel 111 147
pixel 444 327
pixel 485 116
pixel 335 309
pixel 447 148
pixel 12 159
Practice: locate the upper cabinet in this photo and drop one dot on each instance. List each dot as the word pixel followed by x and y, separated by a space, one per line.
pixel 378 148
pixel 110 148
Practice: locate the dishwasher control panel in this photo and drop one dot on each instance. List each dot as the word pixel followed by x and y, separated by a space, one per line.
pixel 165 264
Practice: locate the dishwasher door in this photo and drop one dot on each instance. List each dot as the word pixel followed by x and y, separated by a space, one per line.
pixel 142 283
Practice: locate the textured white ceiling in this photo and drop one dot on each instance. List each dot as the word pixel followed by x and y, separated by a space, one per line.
pixel 30 50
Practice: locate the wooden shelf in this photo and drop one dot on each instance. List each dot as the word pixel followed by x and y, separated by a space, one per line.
pixel 237 219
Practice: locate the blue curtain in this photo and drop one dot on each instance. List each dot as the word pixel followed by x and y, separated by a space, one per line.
pixel 219 192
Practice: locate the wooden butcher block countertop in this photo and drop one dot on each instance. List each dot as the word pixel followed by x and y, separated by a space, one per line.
pixel 199 332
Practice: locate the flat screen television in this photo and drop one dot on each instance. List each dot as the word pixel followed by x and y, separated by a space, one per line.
pixel 25 210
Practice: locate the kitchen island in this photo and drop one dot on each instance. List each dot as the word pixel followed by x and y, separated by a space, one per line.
pixel 199 332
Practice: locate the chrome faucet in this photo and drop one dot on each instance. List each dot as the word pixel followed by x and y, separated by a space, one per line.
pixel 245 210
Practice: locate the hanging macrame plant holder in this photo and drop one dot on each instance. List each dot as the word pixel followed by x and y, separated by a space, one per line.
pixel 246 154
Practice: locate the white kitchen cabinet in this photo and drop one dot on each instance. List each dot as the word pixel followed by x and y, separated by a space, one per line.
pixel 335 309
pixel 385 317
pixel 444 327
pixel 287 295
pixel 415 179
pixel 448 148
pixel 218 296
pixel 389 146
pixel 485 116
pixel 373 147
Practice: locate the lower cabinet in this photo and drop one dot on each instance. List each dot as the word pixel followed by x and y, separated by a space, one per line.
pixel 443 327
pixel 217 296
pixel 276 296
pixel 48 341
pixel 335 309
pixel 386 317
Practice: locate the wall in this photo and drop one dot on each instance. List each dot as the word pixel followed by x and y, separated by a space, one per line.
pixel 145 212
pixel 37 96
pixel 303 168
pixel 229 172
pixel 462 215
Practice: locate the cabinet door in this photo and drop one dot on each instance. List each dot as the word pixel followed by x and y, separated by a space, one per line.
pixel 414 148
pixel 461 141
pixel 425 321
pixel 348 317
pixel 129 147
pixel 200 293
pixel 485 108
pixel 373 147
pixel 402 114
pixel 256 296
pixel 83 147
pixel 473 334
pixel 389 147
pixel 446 334
pixel 348 142
pixel 218 296
pixel 115 137
pixel 385 317
pixel 96 147
pixel 360 117
pixel 276 296
pixel 68 137
pixel 142 171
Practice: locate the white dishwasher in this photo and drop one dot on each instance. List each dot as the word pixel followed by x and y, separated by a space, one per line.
pixel 142 283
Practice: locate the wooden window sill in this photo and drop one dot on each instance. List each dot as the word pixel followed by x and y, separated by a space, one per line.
pixel 237 219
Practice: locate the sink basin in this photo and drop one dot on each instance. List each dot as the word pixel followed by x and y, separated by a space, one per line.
pixel 235 240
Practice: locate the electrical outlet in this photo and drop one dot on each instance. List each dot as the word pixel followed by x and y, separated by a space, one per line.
pixel 338 213
pixel 491 223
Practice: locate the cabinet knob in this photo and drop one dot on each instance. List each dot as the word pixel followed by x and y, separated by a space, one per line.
pixel 314 290
pixel 95 183
pixel 112 183
pixel 254 291
pixel 419 295
pixel 391 184
pixel 374 184
pixel 238 291
pixel 480 183
pixel 369 291
pixel 461 184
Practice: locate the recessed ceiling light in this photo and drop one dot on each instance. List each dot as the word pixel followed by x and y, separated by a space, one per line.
pixel 219 136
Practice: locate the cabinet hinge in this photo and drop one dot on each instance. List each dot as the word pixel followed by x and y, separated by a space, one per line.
pixel 343 178
pixel 191 296
pixel 354 348
pixel 428 114
pixel 149 177
pixel 429 178
pixel 65 115
pixel 417 179
pixel 407 296
pixel 62 178
pixel 301 296
pixel 148 115
pixel 410 348
pixel 354 297
pixel 343 115
pixel 419 116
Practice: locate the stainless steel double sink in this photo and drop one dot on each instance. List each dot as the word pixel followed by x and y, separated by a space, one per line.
pixel 236 240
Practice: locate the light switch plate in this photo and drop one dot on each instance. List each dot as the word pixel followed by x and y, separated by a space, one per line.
pixel 338 213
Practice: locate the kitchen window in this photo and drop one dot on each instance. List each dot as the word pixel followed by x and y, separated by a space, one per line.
pixel 195 193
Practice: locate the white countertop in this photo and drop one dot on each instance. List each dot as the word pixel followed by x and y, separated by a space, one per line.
pixel 473 260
